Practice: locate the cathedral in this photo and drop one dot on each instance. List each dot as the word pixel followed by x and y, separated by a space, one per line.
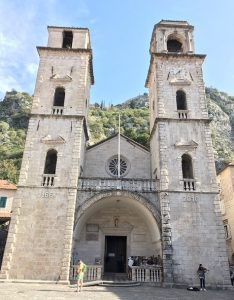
pixel 115 199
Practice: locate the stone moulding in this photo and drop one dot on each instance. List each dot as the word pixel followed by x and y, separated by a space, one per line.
pixel 58 78
pixel 186 144
pixel 53 140
pixel 176 81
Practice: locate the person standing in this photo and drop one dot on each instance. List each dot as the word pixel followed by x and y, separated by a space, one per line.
pixel 81 268
pixel 130 264
pixel 201 274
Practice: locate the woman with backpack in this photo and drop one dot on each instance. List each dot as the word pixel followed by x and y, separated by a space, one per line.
pixel 81 268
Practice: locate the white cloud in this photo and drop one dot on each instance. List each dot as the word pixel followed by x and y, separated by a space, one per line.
pixel 6 42
pixel 7 83
pixel 32 68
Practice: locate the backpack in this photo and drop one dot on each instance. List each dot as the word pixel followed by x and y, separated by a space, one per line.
pixel 84 268
pixel 193 288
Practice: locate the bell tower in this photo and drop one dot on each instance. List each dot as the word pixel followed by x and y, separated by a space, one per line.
pixel 182 159
pixel 40 236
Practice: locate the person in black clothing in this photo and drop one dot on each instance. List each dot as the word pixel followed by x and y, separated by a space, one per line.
pixel 201 274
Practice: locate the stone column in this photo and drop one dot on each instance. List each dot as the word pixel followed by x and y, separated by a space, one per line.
pixel 164 44
pixel 189 39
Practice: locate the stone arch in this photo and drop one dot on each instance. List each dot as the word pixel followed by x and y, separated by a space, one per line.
pixel 59 96
pixel 187 166
pixel 50 162
pixel 151 213
pixel 175 43
pixel 67 39
pixel 181 100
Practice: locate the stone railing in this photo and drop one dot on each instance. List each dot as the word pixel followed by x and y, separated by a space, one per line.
pixel 146 274
pixel 48 179
pixel 189 184
pixel 183 114
pixel 92 273
pixel 57 110
pixel 100 184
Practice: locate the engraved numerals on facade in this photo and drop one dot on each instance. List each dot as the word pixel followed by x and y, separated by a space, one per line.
pixel 47 195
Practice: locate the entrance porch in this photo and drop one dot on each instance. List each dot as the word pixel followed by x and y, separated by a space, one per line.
pixel 109 228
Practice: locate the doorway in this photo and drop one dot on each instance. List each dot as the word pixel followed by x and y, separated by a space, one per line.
pixel 115 254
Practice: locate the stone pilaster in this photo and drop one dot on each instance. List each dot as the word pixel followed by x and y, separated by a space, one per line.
pixel 68 234
pixel 167 250
pixel 163 156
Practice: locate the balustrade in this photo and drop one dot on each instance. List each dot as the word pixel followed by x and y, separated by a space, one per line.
pixel 48 180
pixel 97 184
pixel 92 273
pixel 189 184
pixel 183 114
pixel 146 274
pixel 57 110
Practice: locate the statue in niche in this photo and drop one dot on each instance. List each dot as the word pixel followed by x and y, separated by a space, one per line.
pixel 116 221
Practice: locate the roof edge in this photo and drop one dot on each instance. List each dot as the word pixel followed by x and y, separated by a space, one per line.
pixel 69 27
pixel 113 136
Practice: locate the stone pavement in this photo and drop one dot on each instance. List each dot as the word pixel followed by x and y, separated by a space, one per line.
pixel 32 291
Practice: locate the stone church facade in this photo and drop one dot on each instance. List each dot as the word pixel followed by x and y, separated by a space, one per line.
pixel 73 200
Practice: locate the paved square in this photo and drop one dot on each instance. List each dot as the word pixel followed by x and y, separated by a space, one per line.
pixel 13 291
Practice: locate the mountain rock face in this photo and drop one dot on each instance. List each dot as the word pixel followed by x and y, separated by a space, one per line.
pixel 103 122
pixel 15 109
pixel 221 112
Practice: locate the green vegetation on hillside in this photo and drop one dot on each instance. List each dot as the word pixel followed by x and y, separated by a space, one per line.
pixel 103 123
pixel 14 116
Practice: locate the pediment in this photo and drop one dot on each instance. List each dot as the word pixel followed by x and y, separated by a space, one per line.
pixel 179 81
pixel 124 139
pixel 57 77
pixel 48 139
pixel 186 144
pixel 179 77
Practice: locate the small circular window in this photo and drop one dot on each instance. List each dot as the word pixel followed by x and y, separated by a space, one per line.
pixel 112 166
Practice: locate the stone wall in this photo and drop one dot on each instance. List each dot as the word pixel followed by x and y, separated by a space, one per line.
pixel 97 158
pixel 226 183
pixel 69 70
pixel 197 237
pixel 80 37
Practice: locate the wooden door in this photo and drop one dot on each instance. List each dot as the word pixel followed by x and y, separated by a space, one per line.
pixel 115 254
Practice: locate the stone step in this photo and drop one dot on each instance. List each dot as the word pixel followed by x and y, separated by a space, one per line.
pixel 125 283
pixel 3 276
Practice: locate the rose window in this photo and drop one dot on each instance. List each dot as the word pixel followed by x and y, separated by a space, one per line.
pixel 113 166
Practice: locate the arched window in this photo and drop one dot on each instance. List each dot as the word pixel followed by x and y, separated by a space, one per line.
pixel 50 162
pixel 181 100
pixel 174 45
pixel 59 96
pixel 67 39
pixel 187 167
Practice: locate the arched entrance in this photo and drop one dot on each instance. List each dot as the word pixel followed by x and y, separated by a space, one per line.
pixel 110 227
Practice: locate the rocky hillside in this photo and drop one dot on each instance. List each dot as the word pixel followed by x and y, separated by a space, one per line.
pixel 14 116
pixel 221 112
pixel 103 122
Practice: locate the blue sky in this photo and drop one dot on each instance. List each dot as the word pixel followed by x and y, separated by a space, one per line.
pixel 120 36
